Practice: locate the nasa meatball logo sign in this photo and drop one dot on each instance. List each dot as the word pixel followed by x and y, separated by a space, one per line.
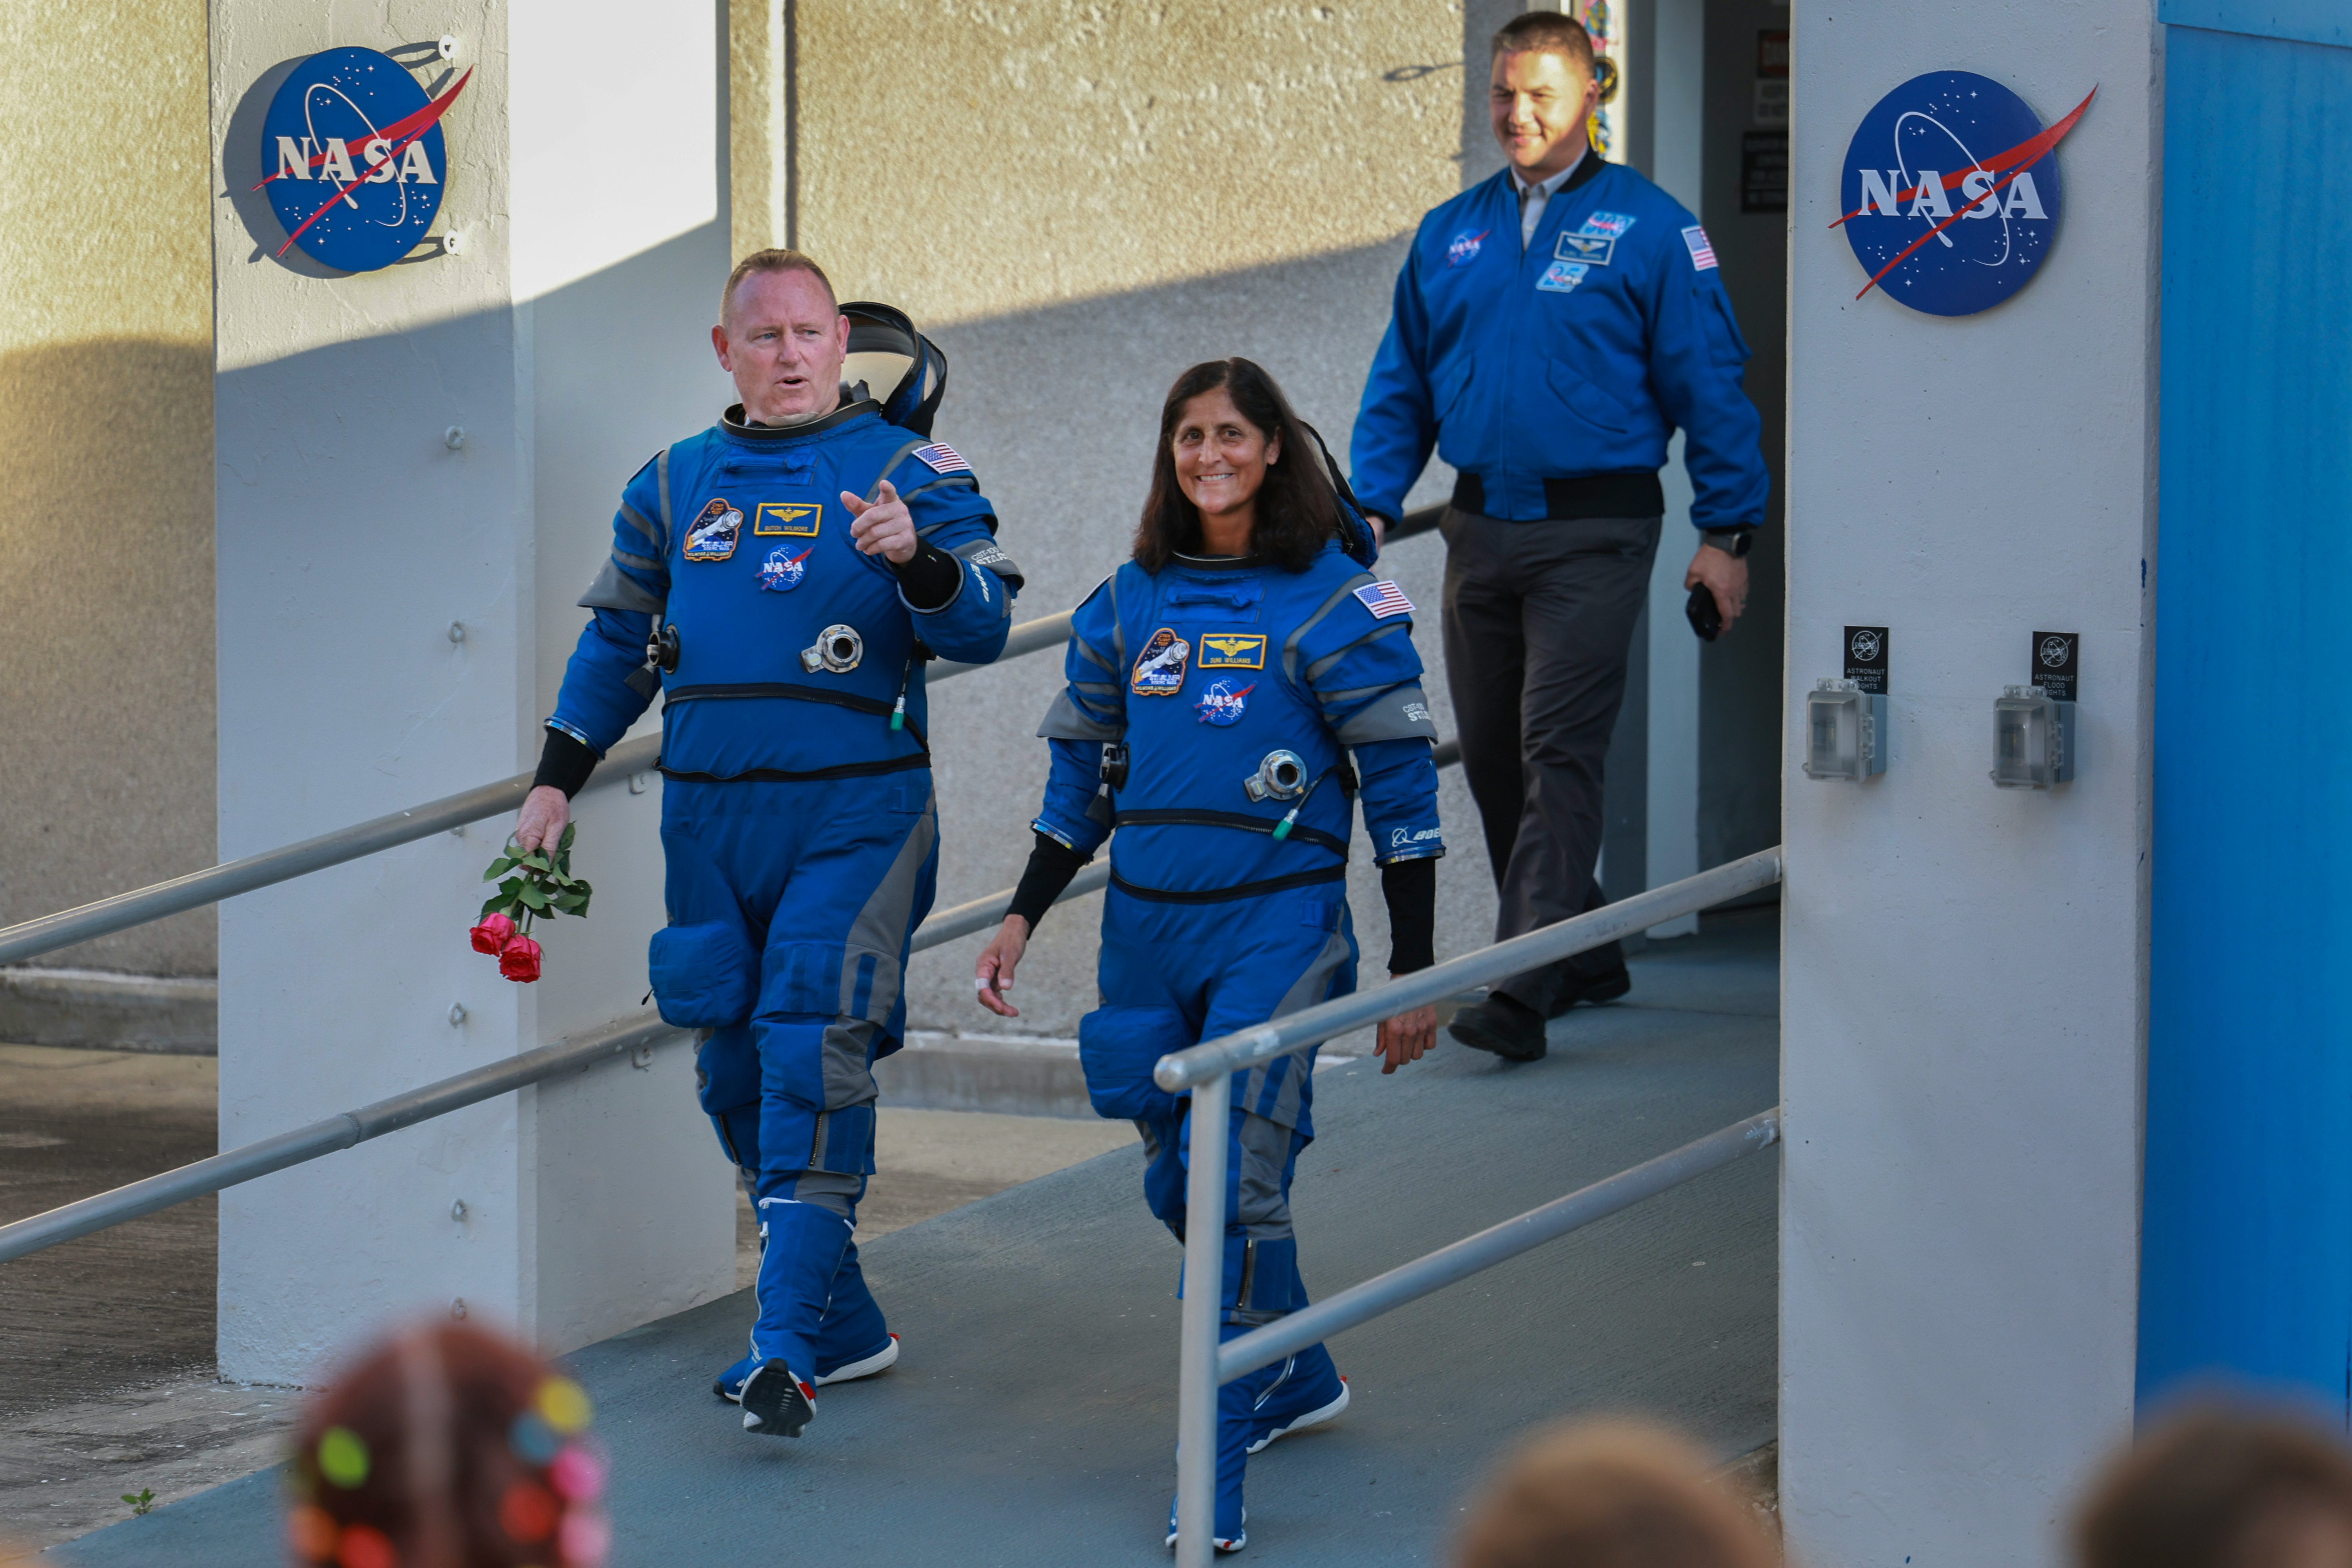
pixel 1950 195
pixel 353 158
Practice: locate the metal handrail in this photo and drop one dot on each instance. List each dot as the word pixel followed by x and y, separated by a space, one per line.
pixel 242 1164
pixel 608 1043
pixel 1195 1066
pixel 1208 1070
pixel 198 889
pixel 1496 1244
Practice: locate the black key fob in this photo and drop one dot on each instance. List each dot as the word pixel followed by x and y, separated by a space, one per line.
pixel 1704 619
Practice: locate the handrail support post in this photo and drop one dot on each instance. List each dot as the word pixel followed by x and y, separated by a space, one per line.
pixel 1202 1317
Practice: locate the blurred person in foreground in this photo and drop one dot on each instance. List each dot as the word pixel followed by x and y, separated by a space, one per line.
pixel 2223 1487
pixel 445 1446
pixel 1609 1495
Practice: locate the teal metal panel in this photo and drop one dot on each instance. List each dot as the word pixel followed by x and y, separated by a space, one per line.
pixel 2246 1265
pixel 2303 21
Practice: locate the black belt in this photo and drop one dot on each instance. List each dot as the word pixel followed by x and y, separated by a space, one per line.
pixel 849 700
pixel 783 775
pixel 1586 495
pixel 1314 835
pixel 1220 895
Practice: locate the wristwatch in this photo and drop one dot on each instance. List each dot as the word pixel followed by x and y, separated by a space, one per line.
pixel 1734 542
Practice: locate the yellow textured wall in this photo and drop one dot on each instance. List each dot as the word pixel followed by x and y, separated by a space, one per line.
pixel 106 444
pixel 1050 150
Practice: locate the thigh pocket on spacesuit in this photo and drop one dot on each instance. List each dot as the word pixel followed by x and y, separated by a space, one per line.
pixel 703 976
pixel 1117 1047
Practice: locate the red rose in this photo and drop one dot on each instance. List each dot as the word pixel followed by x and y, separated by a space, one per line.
pixel 519 959
pixel 493 934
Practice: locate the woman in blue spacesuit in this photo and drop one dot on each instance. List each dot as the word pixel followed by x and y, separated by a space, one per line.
pixel 1218 684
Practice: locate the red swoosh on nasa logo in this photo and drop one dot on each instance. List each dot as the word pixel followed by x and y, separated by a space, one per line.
pixel 2040 145
pixel 396 137
pixel 2023 156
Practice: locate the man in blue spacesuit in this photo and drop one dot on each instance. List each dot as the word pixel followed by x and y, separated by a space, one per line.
pixel 1553 327
pixel 780 578
pixel 1219 685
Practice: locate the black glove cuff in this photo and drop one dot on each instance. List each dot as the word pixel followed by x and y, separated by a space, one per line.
pixel 565 762
pixel 1411 888
pixel 929 578
pixel 1051 864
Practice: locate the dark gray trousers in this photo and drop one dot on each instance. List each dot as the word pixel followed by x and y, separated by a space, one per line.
pixel 1539 620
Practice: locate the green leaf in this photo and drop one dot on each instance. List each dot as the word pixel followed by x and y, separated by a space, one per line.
pixel 497 902
pixel 537 861
pixel 534 898
pixel 570 903
pixel 571 830
pixel 498 867
pixel 510 887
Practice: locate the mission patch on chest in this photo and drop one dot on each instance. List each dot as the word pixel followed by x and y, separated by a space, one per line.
pixel 1232 650
pixel 713 534
pixel 1159 668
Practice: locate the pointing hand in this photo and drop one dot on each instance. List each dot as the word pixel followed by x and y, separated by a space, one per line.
pixel 882 526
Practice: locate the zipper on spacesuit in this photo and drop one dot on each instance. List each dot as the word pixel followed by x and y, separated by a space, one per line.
pixel 898 708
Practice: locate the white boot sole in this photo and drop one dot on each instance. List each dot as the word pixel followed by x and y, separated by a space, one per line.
pixel 887 1356
pixel 1312 1419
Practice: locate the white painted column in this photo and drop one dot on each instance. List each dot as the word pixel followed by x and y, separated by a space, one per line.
pixel 1964 971
pixel 394 612
pixel 1678 82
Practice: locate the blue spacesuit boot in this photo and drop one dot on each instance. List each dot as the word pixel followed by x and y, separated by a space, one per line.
pixel 853 1339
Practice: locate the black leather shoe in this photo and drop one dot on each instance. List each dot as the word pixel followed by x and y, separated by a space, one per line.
pixel 1595 990
pixel 1508 1029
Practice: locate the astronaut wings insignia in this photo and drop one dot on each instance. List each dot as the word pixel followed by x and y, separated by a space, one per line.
pixel 1159 668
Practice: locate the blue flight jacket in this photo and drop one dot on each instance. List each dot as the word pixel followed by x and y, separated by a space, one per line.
pixel 738 538
pixel 1206 669
pixel 1580 357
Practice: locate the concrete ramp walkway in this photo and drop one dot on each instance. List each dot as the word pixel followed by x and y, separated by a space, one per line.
pixel 1032 1420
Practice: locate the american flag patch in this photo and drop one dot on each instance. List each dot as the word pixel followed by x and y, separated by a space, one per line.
pixel 1384 599
pixel 1702 253
pixel 943 458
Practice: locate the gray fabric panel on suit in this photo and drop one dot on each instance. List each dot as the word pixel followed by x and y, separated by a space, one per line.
pixel 1065 720
pixel 637 520
pixel 661 483
pixel 1305 992
pixel 881 928
pixel 1150 1139
pixel 945 481
pixel 891 466
pixel 1321 666
pixel 614 589
pixel 1261 1206
pixel 1402 715
pixel 992 556
pixel 826 1190
pixel 1290 644
pixel 848 1047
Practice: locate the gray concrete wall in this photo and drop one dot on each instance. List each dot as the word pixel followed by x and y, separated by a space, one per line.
pixel 1121 194
pixel 106 439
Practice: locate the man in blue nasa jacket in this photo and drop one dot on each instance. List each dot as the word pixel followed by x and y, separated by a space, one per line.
pixel 780 578
pixel 1553 326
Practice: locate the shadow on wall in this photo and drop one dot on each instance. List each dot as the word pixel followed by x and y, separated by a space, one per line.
pixel 106 588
